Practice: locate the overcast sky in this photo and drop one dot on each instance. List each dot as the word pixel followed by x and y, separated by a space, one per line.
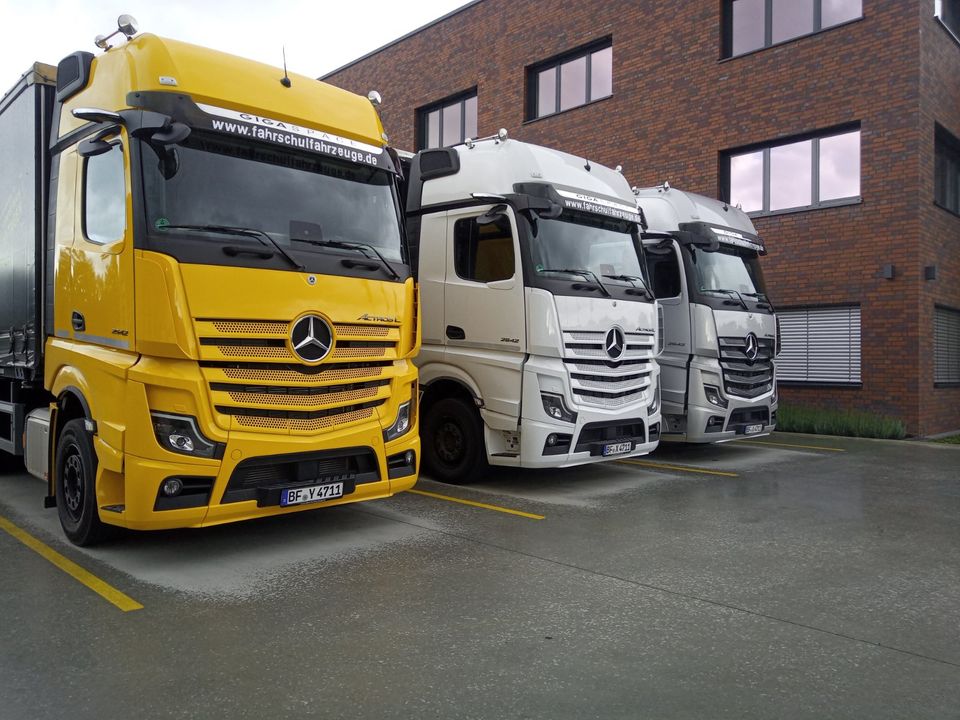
pixel 319 35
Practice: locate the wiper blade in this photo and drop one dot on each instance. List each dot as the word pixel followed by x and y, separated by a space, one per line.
pixel 732 293
pixel 632 279
pixel 582 273
pixel 762 297
pixel 364 248
pixel 246 232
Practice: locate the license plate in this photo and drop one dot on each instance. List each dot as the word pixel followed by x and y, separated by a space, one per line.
pixel 617 448
pixel 752 429
pixel 316 493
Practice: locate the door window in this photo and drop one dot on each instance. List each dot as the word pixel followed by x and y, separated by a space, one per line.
pixel 104 197
pixel 483 253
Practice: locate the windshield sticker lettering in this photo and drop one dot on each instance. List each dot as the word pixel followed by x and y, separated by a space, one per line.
pixel 295 136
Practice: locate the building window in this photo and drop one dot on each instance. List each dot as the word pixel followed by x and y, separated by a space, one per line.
pixel 949 13
pixel 946 171
pixel 820 345
pixel 946 346
pixel 104 197
pixel 570 80
pixel 813 172
pixel 448 122
pixel 754 24
pixel 483 253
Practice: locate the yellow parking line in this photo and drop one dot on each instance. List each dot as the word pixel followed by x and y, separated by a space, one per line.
pixel 509 511
pixel 107 592
pixel 681 468
pixel 788 445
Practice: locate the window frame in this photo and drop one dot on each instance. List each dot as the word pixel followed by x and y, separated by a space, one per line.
pixel 783 312
pixel 423 113
pixel 115 142
pixel 946 146
pixel 939 13
pixel 583 51
pixel 937 381
pixel 726 44
pixel 815 202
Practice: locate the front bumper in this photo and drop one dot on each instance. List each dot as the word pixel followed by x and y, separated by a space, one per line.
pixel 144 477
pixel 583 441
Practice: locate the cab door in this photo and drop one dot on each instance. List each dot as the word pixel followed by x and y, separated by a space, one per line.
pixel 484 312
pixel 101 307
pixel 669 285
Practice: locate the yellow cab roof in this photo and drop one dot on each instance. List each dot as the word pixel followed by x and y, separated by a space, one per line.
pixel 224 80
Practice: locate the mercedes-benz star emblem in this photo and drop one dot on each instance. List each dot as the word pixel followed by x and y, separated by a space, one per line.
pixel 615 343
pixel 751 347
pixel 311 338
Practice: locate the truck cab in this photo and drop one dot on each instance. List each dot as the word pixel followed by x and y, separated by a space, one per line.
pixel 718 366
pixel 539 331
pixel 222 315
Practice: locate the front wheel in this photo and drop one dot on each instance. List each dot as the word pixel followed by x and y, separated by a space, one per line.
pixel 452 438
pixel 76 467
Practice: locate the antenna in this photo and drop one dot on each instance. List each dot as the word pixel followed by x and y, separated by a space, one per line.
pixel 285 80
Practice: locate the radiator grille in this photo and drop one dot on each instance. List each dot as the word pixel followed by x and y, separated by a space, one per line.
pixel 743 377
pixel 596 379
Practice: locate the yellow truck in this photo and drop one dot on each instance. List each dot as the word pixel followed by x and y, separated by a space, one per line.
pixel 207 309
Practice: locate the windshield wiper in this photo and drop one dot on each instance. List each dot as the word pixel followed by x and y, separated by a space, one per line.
pixel 246 232
pixel 764 300
pixel 632 280
pixel 582 273
pixel 732 293
pixel 359 247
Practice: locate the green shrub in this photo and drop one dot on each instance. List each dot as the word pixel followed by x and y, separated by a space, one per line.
pixel 793 418
pixel 951 440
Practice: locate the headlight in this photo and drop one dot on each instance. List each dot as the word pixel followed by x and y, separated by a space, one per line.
pixel 180 434
pixel 555 408
pixel 655 403
pixel 400 425
pixel 713 396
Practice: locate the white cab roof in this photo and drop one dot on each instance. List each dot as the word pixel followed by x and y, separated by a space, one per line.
pixel 666 209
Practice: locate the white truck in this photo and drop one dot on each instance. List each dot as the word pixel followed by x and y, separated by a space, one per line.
pixel 720 331
pixel 539 330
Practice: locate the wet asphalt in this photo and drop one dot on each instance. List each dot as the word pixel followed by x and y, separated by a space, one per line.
pixel 748 580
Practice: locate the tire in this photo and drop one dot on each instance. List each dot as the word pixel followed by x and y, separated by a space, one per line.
pixel 76 467
pixel 453 447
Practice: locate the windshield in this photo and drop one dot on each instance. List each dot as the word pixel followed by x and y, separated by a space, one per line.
pixel 578 241
pixel 727 268
pixel 220 182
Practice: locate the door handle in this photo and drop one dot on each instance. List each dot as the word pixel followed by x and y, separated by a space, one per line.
pixel 78 322
pixel 455 333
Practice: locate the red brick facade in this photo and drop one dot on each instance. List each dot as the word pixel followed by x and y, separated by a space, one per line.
pixel 676 105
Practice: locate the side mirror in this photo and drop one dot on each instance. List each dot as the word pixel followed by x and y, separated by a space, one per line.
pixel 553 212
pixel 495 214
pixel 93 147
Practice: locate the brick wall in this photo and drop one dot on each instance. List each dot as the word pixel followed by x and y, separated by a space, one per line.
pixel 940 230
pixel 676 105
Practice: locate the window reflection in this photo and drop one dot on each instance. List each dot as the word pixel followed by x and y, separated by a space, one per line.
pixel 840 166
pixel 834 12
pixel 582 78
pixel 105 208
pixel 448 123
pixel 791 18
pixel 748 25
pixel 790 175
pixel 601 73
pixel 746 181
pixel 573 83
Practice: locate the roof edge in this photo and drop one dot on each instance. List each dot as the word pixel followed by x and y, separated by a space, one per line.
pixel 323 78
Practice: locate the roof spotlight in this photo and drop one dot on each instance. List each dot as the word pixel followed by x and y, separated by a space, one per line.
pixel 126 24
